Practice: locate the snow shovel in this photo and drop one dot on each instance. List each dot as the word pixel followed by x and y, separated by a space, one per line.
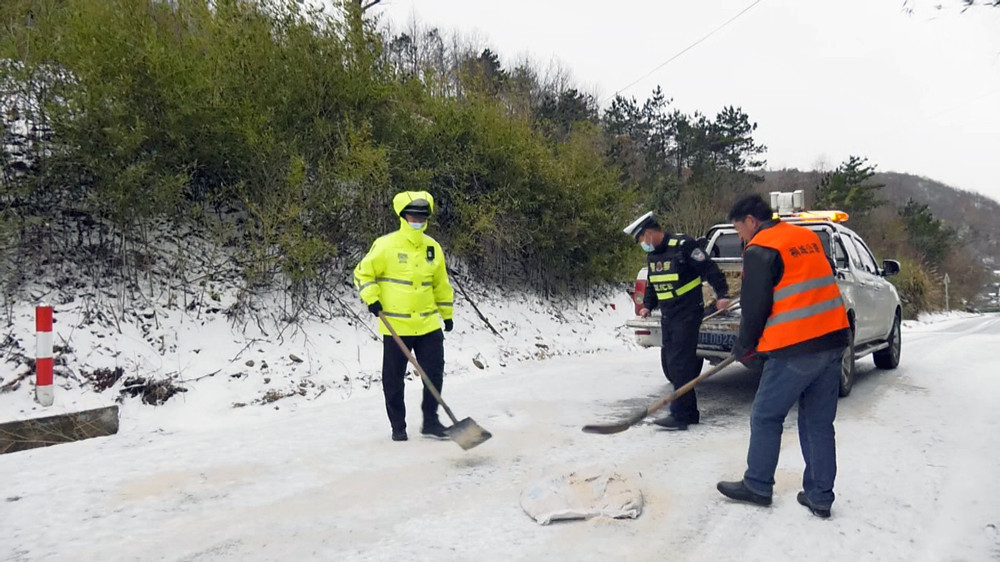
pixel 467 432
pixel 641 414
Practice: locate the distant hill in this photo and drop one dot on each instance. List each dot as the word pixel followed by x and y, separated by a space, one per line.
pixel 975 217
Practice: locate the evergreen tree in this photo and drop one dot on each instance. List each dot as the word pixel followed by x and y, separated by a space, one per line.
pixel 560 111
pixel 732 141
pixel 688 152
pixel 639 139
pixel 850 188
pixel 928 235
pixel 485 73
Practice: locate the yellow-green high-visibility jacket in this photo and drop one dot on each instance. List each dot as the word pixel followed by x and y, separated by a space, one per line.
pixel 405 271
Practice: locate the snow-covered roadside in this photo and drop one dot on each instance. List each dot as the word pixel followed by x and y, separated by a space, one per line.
pixel 939 316
pixel 284 365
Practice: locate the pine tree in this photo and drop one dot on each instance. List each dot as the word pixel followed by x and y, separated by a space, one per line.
pixel 732 141
pixel 927 235
pixel 849 188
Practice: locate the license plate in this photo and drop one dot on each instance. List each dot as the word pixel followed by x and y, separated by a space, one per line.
pixel 717 341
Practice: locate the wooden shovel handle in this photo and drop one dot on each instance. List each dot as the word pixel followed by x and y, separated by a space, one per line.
pixel 691 384
pixel 420 370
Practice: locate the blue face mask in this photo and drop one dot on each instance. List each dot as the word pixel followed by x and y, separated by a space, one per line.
pixel 416 225
pixel 647 247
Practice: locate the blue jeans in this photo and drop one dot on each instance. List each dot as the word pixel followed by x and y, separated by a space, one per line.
pixel 812 379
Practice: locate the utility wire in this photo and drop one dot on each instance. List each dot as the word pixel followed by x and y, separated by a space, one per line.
pixel 962 105
pixel 686 49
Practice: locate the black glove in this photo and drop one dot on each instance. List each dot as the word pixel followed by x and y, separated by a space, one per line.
pixel 375 308
pixel 747 357
pixel 448 325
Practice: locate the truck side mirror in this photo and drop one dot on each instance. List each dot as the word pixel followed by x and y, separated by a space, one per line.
pixel 702 242
pixel 890 268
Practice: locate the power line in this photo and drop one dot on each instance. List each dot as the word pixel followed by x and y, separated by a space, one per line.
pixel 686 49
pixel 962 105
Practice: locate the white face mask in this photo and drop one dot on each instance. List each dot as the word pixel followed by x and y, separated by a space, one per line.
pixel 416 225
pixel 647 247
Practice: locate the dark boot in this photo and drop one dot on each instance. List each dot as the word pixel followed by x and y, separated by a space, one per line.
pixel 818 512
pixel 399 435
pixel 738 491
pixel 671 423
pixel 434 429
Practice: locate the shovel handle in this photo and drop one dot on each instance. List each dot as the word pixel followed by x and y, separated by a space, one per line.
pixel 691 384
pixel 420 370
pixel 732 304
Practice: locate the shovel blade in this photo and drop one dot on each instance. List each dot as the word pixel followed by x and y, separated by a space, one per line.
pixel 467 434
pixel 606 429
pixel 619 427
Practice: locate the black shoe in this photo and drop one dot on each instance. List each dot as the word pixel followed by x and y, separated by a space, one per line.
pixel 434 429
pixel 399 435
pixel 818 512
pixel 672 423
pixel 739 492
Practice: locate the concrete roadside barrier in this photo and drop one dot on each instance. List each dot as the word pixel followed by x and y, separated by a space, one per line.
pixel 64 428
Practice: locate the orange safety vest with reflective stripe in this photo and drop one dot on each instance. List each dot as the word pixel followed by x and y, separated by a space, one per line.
pixel 807 302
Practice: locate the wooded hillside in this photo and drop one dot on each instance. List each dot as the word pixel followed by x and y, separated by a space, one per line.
pixel 930 227
pixel 285 131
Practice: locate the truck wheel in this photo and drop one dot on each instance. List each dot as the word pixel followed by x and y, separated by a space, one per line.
pixel 888 358
pixel 847 366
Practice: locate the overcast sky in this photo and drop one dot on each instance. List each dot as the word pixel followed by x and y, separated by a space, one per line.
pixel 913 93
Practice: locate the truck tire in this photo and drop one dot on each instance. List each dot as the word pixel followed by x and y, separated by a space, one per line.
pixel 888 358
pixel 847 366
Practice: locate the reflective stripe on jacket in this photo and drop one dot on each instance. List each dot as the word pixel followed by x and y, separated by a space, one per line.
pixel 807 302
pixel 675 268
pixel 405 271
pixel 665 285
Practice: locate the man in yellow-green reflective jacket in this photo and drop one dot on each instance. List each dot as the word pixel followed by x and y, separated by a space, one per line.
pixel 404 277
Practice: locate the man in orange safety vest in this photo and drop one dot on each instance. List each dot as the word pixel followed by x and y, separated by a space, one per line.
pixel 793 316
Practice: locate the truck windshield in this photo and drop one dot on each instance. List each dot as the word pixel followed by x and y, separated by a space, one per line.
pixel 728 244
pixel 824 237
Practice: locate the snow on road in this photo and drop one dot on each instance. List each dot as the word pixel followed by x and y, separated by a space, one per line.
pixel 919 455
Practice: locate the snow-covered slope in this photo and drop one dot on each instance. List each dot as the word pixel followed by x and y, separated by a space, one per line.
pixel 222 365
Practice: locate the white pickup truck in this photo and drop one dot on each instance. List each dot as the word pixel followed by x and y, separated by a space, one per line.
pixel 873 305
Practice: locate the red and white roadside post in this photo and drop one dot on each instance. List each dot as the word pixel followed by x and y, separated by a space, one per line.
pixel 43 354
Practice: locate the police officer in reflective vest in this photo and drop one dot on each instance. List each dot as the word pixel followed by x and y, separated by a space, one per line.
pixel 404 276
pixel 794 316
pixel 676 266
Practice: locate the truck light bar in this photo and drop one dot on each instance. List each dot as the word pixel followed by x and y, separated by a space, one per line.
pixel 832 216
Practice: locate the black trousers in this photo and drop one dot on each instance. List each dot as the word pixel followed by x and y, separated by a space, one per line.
pixel 429 351
pixel 679 357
